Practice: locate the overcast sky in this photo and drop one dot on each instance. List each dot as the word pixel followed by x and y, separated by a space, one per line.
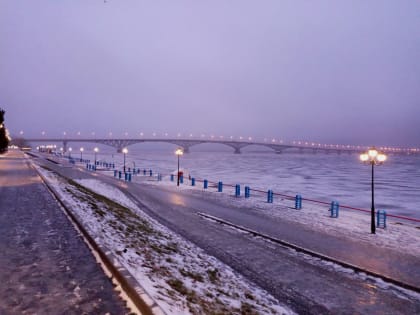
pixel 328 71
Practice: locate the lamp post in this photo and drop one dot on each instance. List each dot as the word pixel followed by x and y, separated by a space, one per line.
pixel 81 154
pixel 178 152
pixel 372 157
pixel 125 151
pixel 96 151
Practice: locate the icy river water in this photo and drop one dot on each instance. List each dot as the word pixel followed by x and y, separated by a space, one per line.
pixel 319 176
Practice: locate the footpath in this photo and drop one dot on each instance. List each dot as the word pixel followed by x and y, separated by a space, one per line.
pixel 45 266
pixel 397 267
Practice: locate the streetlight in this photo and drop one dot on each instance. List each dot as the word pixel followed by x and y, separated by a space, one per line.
pixel 178 152
pixel 81 154
pixel 125 151
pixel 96 151
pixel 372 157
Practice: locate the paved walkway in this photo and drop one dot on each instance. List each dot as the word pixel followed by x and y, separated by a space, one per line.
pixel 45 266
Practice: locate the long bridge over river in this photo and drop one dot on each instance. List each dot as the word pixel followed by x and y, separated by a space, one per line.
pixel 237 145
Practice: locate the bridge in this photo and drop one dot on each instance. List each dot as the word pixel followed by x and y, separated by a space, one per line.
pixel 277 146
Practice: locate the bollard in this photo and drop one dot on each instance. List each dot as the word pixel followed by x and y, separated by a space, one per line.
pixel 125 176
pixel 270 196
pixel 115 173
pixel 172 177
pixel 181 179
pixel 150 172
pixel 334 209
pixel 206 184
pixel 119 174
pixel 247 192
pixel 220 186
pixel 298 202
pixel 129 177
pixel 381 219
pixel 144 172
pixel 193 181
pixel 87 166
pixel 237 190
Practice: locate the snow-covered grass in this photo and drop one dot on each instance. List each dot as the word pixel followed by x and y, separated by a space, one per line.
pixel 399 235
pixel 180 277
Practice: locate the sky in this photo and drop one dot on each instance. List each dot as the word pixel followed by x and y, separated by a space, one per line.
pixel 332 71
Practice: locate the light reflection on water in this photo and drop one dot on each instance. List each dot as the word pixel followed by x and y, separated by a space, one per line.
pixel 319 176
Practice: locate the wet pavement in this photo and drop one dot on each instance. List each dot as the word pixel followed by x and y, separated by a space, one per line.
pixel 307 285
pixel 45 266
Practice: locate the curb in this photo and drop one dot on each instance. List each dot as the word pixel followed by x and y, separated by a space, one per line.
pixel 137 294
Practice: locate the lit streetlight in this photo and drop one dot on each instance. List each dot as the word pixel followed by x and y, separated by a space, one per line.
pixel 96 150
pixel 178 152
pixel 373 157
pixel 70 149
pixel 81 154
pixel 125 151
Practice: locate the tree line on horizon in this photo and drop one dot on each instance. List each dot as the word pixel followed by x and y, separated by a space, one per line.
pixel 4 139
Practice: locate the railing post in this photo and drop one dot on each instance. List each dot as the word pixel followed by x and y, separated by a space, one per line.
pixel 334 208
pixel 220 186
pixel 381 219
pixel 247 192
pixel 298 202
pixel 237 190
pixel 270 196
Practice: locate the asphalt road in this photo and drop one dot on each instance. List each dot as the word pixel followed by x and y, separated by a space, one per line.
pixel 308 286
pixel 45 266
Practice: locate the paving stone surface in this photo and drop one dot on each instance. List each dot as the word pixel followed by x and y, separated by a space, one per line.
pixel 45 266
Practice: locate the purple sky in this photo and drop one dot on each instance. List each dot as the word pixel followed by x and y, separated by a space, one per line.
pixel 327 71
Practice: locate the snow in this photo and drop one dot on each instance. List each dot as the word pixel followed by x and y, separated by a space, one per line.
pixel 169 268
